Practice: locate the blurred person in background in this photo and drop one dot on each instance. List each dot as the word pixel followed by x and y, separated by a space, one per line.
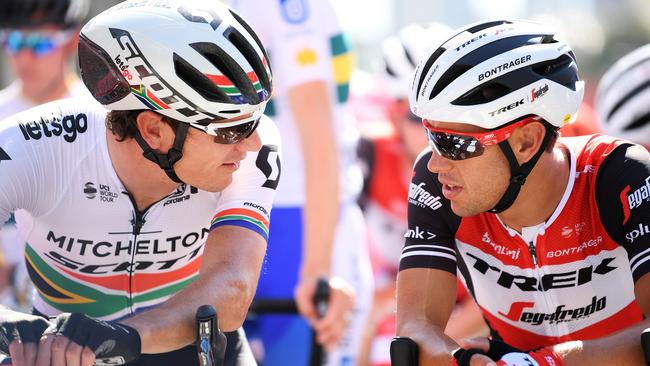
pixel 623 98
pixel 388 154
pixel 39 38
pixel 318 229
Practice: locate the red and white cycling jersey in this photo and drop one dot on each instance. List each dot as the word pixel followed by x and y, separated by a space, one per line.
pixel 88 248
pixel 571 277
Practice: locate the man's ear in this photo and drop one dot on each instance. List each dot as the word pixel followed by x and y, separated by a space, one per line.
pixel 528 140
pixel 158 134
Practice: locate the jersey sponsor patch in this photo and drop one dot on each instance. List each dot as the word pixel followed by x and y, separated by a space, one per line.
pixel 294 11
pixel 561 314
pixel 634 199
pixel 4 155
pixel 420 197
pixel 67 126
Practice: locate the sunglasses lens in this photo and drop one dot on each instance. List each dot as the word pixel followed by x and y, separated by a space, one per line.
pixel 235 134
pixel 455 147
pixel 39 44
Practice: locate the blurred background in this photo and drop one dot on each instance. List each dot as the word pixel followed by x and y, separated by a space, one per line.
pixel 600 31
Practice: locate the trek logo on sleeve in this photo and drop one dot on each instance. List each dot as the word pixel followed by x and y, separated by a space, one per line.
pixel 560 315
pixel 4 155
pixel 634 199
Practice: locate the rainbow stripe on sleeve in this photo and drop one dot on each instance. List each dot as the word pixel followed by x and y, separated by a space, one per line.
pixel 244 218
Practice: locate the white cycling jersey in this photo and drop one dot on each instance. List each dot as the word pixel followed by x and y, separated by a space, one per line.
pixel 88 249
pixel 12 100
pixel 305 43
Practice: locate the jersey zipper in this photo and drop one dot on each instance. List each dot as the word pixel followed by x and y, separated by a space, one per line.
pixel 533 253
pixel 137 222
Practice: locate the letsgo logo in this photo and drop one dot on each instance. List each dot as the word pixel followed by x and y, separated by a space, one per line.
pixel 422 198
pixel 560 315
pixel 634 199
pixel 68 126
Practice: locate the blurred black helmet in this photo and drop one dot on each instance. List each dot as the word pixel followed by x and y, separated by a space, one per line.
pixel 29 13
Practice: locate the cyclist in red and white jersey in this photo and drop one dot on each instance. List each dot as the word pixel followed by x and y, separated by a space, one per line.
pixel 551 236
pixel 623 98
pixel 127 206
pixel 388 155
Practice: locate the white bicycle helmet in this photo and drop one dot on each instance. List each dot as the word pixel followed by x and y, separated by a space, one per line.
pixel 492 73
pixel 193 61
pixel 402 52
pixel 623 97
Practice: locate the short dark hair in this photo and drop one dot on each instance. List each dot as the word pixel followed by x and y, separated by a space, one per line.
pixel 122 123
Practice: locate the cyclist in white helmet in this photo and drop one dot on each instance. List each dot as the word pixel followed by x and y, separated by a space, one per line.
pixel 388 155
pixel 127 204
pixel 39 38
pixel 549 235
pixel 623 98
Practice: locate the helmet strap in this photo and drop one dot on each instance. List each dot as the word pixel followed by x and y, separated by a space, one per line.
pixel 166 161
pixel 518 173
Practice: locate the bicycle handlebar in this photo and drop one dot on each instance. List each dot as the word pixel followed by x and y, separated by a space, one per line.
pixel 209 343
pixel 645 345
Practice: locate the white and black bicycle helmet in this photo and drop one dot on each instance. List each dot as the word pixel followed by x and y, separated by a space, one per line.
pixel 31 13
pixel 490 74
pixel 623 97
pixel 196 62
pixel 402 52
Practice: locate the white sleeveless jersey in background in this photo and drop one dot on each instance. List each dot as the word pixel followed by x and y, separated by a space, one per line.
pixel 305 43
pixel 88 249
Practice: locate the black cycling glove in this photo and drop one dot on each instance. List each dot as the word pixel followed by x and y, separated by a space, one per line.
pixel 23 327
pixel 112 342
pixel 497 350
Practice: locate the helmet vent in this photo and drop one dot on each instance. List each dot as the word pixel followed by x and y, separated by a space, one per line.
pixel 390 71
pixel 427 66
pixel 480 27
pixel 229 68
pixel 266 83
pixel 250 55
pixel 563 70
pixel 484 93
pixel 638 122
pixel 628 97
pixel 199 82
pixel 478 56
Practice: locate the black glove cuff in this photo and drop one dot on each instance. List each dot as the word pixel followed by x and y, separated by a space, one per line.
pixel 463 356
pixel 499 348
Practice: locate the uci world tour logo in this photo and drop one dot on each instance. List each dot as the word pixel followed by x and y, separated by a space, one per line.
pixel 4 155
